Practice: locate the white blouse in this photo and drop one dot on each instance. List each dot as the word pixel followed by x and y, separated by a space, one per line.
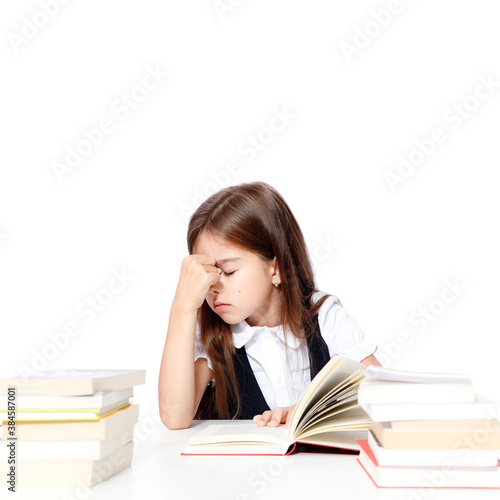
pixel 280 360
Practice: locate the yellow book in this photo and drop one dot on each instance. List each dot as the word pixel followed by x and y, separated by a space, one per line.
pixel 111 425
pixel 65 407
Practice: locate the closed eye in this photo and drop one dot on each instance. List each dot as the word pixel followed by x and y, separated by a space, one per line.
pixel 228 274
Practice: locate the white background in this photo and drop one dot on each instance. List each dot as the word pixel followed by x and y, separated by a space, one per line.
pixel 124 207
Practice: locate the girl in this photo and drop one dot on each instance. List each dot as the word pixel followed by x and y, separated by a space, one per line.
pixel 248 329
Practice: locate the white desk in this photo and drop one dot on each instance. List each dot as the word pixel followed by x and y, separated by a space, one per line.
pixel 159 472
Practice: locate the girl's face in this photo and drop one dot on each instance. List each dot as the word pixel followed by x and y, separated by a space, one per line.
pixel 245 290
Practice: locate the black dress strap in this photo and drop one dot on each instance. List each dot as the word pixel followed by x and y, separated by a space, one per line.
pixel 318 350
pixel 252 399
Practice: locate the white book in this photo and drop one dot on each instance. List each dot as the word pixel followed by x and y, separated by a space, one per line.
pixel 93 449
pixel 461 457
pixel 481 408
pixel 382 391
pixel 72 382
pixel 386 385
pixel 70 473
pixel 375 372
pixel 442 476
pixel 99 400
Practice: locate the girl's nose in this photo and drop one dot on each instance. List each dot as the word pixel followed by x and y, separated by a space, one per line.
pixel 216 287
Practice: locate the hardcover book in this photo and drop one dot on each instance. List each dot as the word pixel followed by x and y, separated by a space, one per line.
pixel 73 382
pixel 327 414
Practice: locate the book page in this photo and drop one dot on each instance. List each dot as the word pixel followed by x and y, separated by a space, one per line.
pixel 332 413
pixel 332 408
pixel 237 432
pixel 331 376
pixel 344 390
pixel 338 439
pixel 350 419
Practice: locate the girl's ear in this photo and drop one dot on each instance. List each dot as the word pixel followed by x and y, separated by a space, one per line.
pixel 276 273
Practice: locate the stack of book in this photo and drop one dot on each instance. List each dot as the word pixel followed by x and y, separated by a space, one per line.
pixel 67 428
pixel 429 430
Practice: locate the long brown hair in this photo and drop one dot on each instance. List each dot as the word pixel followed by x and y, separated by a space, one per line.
pixel 255 217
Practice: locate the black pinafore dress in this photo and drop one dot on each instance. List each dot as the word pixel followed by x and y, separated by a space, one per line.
pixel 252 399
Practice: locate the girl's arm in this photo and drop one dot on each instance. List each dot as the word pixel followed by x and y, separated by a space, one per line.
pixel 370 360
pixel 182 382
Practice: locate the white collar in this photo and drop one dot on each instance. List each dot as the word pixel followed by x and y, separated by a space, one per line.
pixel 243 332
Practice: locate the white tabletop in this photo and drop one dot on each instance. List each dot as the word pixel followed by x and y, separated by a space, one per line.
pixel 160 472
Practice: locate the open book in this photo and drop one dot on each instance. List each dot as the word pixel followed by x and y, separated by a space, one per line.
pixel 327 414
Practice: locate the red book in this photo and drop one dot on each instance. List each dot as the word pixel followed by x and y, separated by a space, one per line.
pixel 448 475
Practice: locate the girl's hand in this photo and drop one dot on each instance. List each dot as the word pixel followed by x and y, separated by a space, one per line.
pixel 275 417
pixel 198 274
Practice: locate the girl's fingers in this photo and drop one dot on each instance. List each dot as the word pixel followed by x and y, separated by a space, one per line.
pixel 206 260
pixel 273 418
pixel 198 274
pixel 214 273
pixel 276 417
pixel 257 418
pixel 213 269
pixel 262 420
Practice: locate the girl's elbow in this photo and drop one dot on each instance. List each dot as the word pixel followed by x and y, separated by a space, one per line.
pixel 177 425
pixel 175 422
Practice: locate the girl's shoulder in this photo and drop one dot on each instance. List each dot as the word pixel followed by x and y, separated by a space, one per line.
pixel 331 313
pixel 329 302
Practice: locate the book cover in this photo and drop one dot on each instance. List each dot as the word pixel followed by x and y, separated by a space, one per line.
pixel 447 475
pixel 98 400
pixel 381 391
pixel 71 473
pixel 481 408
pixel 110 425
pixel 41 414
pixel 435 457
pixel 82 449
pixel 434 439
pixel 73 382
